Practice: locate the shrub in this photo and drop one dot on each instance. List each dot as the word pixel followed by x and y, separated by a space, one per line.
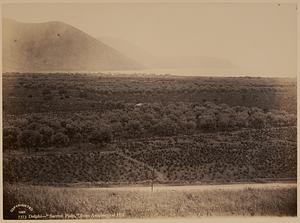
pixel 62 92
pixel 77 138
pixel 60 139
pixel 46 91
pixel 206 122
pixel 134 128
pixel 100 136
pixel 46 133
pixel 258 120
pixel 10 138
pixel 29 139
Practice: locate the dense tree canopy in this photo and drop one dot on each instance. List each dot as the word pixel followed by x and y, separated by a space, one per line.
pixel 148 119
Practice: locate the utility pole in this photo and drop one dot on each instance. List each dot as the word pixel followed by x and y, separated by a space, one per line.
pixel 152 178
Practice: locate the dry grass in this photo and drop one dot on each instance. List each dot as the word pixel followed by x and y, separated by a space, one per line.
pixel 98 203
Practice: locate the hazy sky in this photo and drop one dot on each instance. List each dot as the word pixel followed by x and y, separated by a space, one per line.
pixel 257 37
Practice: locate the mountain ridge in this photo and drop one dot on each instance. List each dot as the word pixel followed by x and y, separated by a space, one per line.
pixel 57 46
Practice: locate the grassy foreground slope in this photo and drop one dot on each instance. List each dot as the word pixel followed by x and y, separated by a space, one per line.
pixel 272 200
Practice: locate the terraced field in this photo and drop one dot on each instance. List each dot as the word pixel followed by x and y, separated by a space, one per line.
pixel 195 158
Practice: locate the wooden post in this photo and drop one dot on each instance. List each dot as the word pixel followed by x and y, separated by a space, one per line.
pixel 151 185
pixel 152 179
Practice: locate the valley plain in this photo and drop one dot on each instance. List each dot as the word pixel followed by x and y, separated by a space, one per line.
pixel 65 135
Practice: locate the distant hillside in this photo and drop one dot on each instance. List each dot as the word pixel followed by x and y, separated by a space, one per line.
pixel 154 62
pixel 57 46
pixel 131 50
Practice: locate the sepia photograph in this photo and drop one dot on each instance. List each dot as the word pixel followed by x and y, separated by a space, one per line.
pixel 149 110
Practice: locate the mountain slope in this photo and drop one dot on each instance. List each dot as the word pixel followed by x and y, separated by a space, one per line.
pixel 56 46
pixel 175 62
pixel 131 50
